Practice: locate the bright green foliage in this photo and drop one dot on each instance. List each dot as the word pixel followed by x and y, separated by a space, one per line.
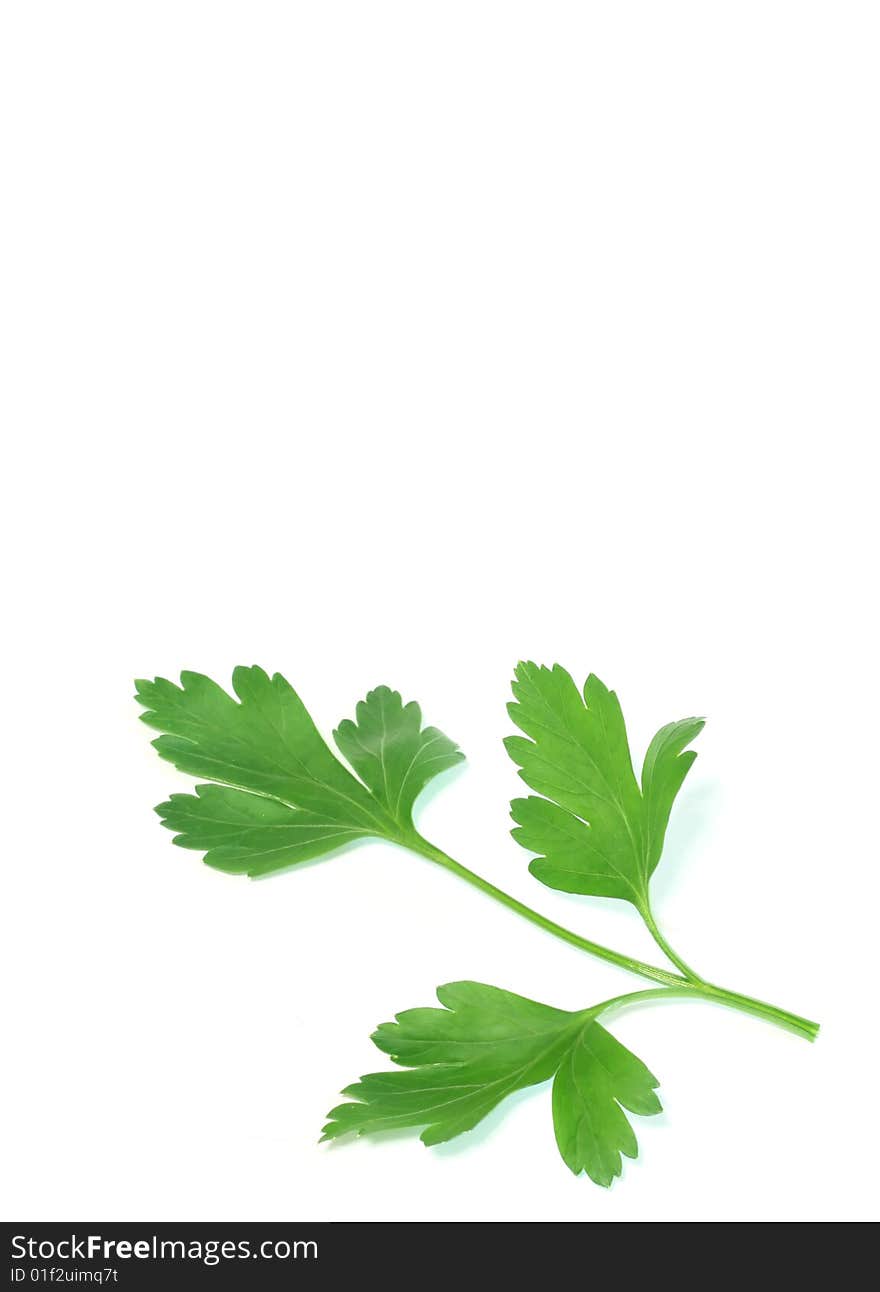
pixel 283 796
pixel 595 830
pixel 663 773
pixel 248 833
pixel 278 795
pixel 461 1061
pixel 392 753
pixel 597 1078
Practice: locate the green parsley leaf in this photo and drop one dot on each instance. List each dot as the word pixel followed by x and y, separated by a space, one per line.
pixel 248 834
pixel 465 1059
pixel 392 753
pixel 663 773
pixel 281 795
pixel 596 1080
pixel 596 830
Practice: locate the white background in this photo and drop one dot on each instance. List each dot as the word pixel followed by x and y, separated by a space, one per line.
pixel 393 342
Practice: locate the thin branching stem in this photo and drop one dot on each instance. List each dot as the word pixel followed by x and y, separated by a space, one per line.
pixel 672 984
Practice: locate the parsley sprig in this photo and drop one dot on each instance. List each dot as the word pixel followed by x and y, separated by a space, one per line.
pixel 275 795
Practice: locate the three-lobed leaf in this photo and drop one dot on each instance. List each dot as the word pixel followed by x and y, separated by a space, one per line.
pixel 279 795
pixel 595 829
pixel 463 1060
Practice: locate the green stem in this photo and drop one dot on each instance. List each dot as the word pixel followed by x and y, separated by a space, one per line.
pixel 719 995
pixel 635 997
pixel 550 926
pixel 672 983
pixel 759 1009
pixel 648 916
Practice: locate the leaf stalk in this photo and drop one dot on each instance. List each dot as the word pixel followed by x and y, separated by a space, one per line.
pixel 653 928
pixel 672 984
